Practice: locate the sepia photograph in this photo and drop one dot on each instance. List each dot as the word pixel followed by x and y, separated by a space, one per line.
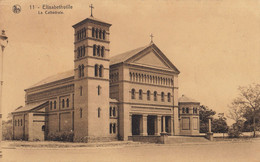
pixel 129 81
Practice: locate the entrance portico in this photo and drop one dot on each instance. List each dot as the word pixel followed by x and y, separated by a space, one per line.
pixel 149 125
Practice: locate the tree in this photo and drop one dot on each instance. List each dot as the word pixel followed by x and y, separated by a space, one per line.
pixel 205 113
pixel 248 103
pixel 7 126
pixel 219 125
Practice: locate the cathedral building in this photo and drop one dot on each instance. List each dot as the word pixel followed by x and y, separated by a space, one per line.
pixel 107 98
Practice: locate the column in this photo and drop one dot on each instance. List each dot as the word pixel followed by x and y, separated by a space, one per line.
pixel 130 126
pixel 163 128
pixel 158 125
pixel 209 125
pixel 171 125
pixel 143 125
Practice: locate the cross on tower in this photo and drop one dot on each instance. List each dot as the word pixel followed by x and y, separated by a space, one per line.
pixel 151 38
pixel 91 6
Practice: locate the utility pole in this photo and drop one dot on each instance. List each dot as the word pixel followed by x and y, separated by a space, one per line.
pixel 3 44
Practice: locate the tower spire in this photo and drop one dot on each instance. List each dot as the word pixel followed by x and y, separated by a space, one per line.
pixel 91 7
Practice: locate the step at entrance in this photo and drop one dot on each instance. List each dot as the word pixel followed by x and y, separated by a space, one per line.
pixel 185 139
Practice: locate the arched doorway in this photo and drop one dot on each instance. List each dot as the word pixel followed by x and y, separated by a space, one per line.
pixel 136 124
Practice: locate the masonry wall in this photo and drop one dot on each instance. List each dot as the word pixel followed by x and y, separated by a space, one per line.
pixel 189 122
pixel 20 126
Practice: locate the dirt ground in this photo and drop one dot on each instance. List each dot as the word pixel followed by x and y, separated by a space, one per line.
pixel 243 150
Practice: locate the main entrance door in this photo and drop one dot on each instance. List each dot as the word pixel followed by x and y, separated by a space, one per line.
pixel 151 124
pixel 136 124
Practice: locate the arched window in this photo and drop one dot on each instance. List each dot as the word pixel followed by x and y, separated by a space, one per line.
pixel 94 50
pixel 80 112
pixel 99 90
pixel 114 111
pixel 130 74
pixel 81 51
pixel 54 104
pixel 51 105
pixel 21 122
pixel 98 50
pixel 78 53
pixel 100 33
pixel 114 128
pixel 15 123
pixel 99 110
pixel 93 32
pixel 18 122
pixel 187 110
pixel 85 33
pixel 68 102
pixel 169 97
pixel 102 51
pixel 79 71
pixel 195 110
pixel 82 70
pixel 155 96
pixel 80 90
pixel 77 35
pixel 96 33
pixel 110 111
pixel 96 70
pixel 101 69
pixel 171 82
pixel 133 94
pixel 162 96
pixel 84 50
pixel 104 34
pixel 148 95
pixel 183 110
pixel 140 94
pixel 63 103
pixel 110 128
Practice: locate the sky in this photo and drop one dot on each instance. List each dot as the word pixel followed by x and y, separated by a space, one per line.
pixel 214 43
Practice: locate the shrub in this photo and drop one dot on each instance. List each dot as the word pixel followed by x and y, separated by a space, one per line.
pixel 61 136
pixel 234 133
pixel 7 127
pixel 236 129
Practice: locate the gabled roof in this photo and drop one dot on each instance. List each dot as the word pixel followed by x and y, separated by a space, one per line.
pixel 127 56
pixel 30 107
pixel 57 77
pixel 185 99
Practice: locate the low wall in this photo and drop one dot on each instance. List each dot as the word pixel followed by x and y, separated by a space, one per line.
pixel 149 139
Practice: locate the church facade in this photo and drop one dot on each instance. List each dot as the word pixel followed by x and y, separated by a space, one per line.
pixel 107 98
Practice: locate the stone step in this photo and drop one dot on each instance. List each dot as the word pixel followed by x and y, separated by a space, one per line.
pixel 185 139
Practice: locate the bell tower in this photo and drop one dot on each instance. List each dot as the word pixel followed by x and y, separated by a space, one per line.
pixel 91 79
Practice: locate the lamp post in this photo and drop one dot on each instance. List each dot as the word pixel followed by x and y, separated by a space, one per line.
pixel 3 44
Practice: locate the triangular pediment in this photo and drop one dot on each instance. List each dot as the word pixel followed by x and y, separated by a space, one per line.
pixel 152 57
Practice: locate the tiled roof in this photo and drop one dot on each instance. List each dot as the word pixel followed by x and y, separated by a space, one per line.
pixel 29 107
pixel 126 55
pixel 185 99
pixel 54 78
